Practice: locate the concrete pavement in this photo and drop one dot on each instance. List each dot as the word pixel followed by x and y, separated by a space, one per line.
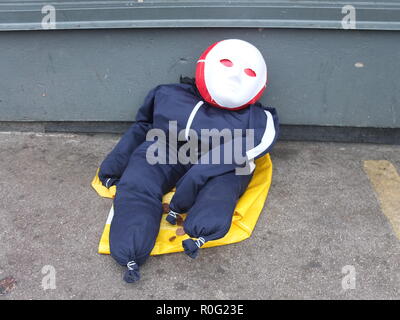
pixel 321 215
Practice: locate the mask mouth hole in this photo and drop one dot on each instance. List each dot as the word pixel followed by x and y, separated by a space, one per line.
pixel 226 62
pixel 250 72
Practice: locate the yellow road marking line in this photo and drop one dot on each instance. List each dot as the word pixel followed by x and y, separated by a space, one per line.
pixel 386 183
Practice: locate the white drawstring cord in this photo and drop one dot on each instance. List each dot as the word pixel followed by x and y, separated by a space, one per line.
pixel 173 214
pixel 130 265
pixel 200 241
pixel 108 180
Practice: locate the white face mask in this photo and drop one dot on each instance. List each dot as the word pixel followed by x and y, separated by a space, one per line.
pixel 234 73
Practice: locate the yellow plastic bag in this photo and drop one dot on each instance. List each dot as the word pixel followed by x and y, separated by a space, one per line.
pixel 246 214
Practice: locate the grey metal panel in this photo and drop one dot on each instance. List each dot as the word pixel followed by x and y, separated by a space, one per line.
pixel 27 15
pixel 103 75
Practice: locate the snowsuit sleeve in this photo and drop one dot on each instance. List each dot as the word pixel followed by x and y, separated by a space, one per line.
pixel 266 131
pixel 116 161
pixel 266 136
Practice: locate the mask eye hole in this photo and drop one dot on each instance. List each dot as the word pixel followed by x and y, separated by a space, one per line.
pixel 250 72
pixel 226 62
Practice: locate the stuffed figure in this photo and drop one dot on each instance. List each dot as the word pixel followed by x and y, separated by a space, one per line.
pixel 231 76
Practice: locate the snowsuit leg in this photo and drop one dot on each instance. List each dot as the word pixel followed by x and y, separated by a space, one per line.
pixel 138 209
pixel 210 217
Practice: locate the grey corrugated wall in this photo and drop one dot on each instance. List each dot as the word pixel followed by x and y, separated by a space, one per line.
pixel 316 77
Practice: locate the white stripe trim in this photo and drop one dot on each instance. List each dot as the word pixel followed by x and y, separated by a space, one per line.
pixel 110 215
pixel 252 165
pixel 266 140
pixel 201 60
pixel 191 117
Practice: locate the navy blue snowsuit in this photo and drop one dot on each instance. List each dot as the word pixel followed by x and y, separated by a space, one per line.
pixel 207 192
